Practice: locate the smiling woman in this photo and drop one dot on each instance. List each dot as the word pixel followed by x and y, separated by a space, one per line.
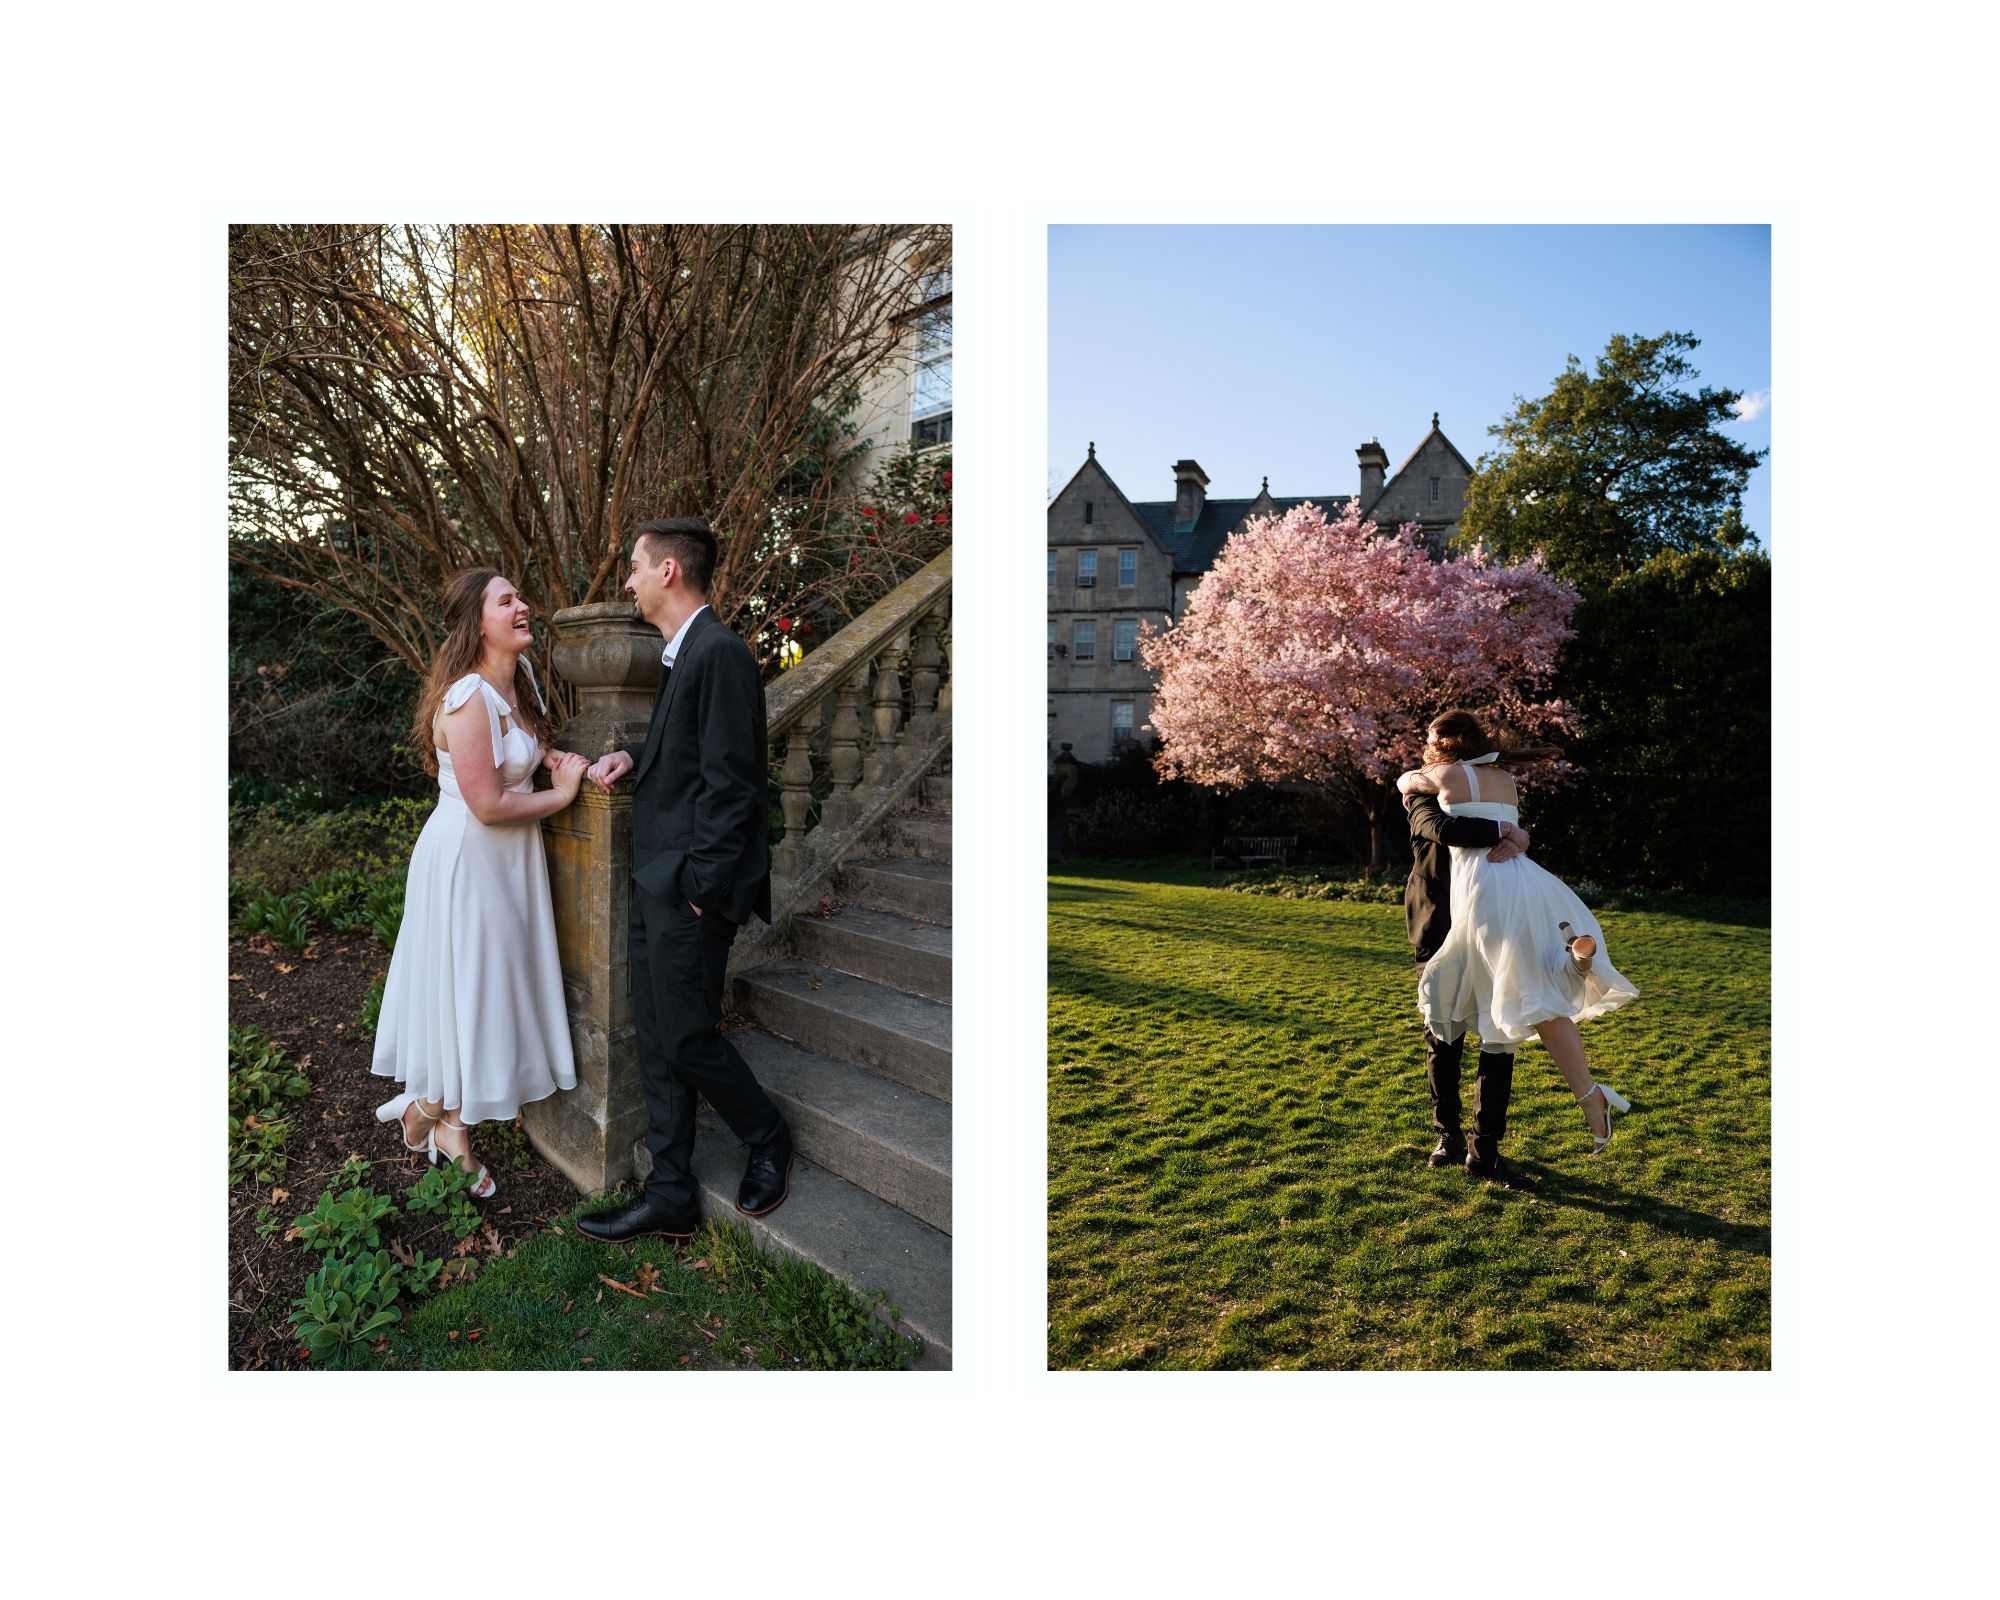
pixel 473 1021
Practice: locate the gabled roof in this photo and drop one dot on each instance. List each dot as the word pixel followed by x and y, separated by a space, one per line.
pixel 1196 550
pixel 1436 433
pixel 1145 522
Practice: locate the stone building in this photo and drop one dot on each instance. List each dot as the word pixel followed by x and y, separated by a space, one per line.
pixel 1116 564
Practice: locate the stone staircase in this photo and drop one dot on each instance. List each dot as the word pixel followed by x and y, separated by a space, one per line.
pixel 851 1035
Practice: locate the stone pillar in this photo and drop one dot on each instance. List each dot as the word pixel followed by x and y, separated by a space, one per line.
pixel 611 658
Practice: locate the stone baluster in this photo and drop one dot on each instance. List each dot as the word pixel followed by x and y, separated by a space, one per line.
pixel 789 858
pixel 944 688
pixel 926 655
pixel 844 762
pixel 884 754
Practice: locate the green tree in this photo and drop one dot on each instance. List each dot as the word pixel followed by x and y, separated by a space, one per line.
pixel 1612 468
pixel 1670 675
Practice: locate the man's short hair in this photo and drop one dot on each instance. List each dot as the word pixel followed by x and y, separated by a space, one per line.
pixel 688 540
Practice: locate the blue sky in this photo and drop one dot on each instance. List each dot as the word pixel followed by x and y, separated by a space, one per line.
pixel 1280 349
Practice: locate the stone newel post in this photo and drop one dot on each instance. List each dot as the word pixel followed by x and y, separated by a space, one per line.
pixel 611 657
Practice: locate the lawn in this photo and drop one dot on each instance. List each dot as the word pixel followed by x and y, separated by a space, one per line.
pixel 1238 1128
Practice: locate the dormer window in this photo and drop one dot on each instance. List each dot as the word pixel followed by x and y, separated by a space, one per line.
pixel 1436 495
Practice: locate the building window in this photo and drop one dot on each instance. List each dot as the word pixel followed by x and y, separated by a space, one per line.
pixel 1086 513
pixel 1435 496
pixel 930 397
pixel 1052 638
pixel 1052 569
pixel 1086 642
pixel 1128 568
pixel 1086 569
pixel 1124 636
pixel 1121 723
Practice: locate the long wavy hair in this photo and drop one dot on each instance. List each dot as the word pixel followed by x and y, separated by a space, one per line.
pixel 1459 736
pixel 464 606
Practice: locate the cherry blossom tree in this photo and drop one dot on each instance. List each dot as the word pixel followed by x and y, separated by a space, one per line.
pixel 1315 651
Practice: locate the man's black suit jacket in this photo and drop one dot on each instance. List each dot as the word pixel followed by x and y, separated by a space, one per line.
pixel 700 805
pixel 1427 900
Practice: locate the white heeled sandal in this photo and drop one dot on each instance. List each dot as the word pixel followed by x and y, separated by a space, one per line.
pixel 384 1114
pixel 1613 1101
pixel 483 1188
pixel 1581 947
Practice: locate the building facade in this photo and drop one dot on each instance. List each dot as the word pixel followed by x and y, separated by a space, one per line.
pixel 1116 565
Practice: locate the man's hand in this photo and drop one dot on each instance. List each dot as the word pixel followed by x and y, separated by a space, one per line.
pixel 607 770
pixel 1513 842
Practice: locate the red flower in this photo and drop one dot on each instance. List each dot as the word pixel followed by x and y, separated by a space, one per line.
pixel 784 624
pixel 854 558
pixel 805 627
pixel 947 477
pixel 911 518
pixel 942 518
pixel 868 511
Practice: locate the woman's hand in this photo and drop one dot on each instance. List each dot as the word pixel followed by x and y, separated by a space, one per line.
pixel 1418 782
pixel 566 773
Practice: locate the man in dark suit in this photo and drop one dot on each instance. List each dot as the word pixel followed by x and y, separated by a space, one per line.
pixel 1427 905
pixel 701 863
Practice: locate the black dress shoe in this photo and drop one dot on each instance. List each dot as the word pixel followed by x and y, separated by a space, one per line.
pixel 768 1177
pixel 1497 1171
pixel 639 1218
pixel 1450 1150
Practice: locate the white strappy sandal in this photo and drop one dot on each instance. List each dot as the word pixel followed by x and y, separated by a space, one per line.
pixel 483 1188
pixel 1613 1101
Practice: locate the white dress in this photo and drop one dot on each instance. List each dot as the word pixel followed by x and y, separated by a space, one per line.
pixel 473 1011
pixel 1503 967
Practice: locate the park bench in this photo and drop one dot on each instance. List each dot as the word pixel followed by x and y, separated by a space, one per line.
pixel 1255 851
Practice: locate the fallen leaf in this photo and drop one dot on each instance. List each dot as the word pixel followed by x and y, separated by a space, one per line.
pixel 237 977
pixel 284 966
pixel 491 1235
pixel 685 1360
pixel 453 1335
pixel 401 1252
pixel 380 1346
pixel 280 1196
pixel 506 1211
pixel 812 983
pixel 648 1276
pixel 567 1304
pixel 474 1334
pixel 466 1246
pixel 622 1288
pixel 555 1230
pixel 584 1361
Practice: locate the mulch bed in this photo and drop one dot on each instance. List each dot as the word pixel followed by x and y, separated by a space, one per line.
pixel 311 1005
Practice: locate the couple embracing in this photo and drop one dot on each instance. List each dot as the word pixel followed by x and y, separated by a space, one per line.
pixel 1503 947
pixel 473 1022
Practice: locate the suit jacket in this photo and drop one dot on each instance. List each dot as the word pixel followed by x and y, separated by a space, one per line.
pixel 700 802
pixel 1427 899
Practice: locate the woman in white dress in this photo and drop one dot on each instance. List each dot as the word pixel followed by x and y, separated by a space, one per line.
pixel 473 1021
pixel 1524 958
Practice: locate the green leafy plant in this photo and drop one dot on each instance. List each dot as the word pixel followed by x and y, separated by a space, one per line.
pixel 445 1192
pixel 384 909
pixel 345 1304
pixel 339 900
pixel 342 1224
pixel 354 1170
pixel 371 1008
pixel 284 918
pixel 260 1082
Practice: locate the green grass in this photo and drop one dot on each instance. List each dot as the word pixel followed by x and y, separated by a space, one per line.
pixel 717 1302
pixel 1238 1127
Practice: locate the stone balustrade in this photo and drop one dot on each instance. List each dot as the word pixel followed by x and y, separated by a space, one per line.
pixel 853 726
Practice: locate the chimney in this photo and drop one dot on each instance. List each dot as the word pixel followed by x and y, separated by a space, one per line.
pixel 1190 492
pixel 1374 463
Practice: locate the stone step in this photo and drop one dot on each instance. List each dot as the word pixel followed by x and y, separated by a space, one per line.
pixel 901 1036
pixel 842 1229
pixel 880 1136
pixel 936 789
pixel 884 945
pixel 923 834
pixel 921 888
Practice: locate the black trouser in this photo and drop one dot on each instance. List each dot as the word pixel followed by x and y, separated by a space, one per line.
pixel 678 963
pixel 1490 1089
